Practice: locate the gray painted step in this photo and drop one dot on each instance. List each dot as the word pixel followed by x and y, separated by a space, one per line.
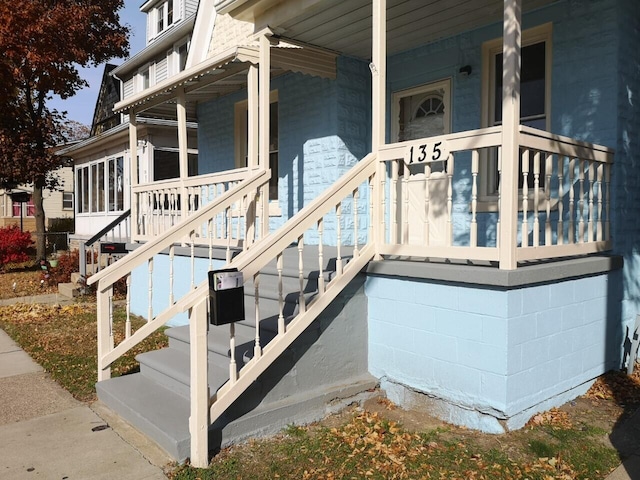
pixel 156 399
pixel 170 368
pixel 158 412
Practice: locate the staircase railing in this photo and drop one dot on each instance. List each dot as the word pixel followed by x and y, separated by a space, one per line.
pixel 348 203
pixel 214 217
pixel 119 230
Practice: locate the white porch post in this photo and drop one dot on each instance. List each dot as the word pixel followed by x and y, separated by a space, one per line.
pixel 252 148
pixel 510 132
pixel 252 117
pixel 264 110
pixel 133 165
pixel 199 419
pixel 183 156
pixel 378 106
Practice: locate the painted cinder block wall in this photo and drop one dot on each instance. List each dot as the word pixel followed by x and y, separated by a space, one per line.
pixel 324 129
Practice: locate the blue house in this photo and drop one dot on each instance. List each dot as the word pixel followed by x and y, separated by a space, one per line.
pixel 433 197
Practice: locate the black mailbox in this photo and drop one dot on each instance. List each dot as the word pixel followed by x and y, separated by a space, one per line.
pixel 113 248
pixel 226 296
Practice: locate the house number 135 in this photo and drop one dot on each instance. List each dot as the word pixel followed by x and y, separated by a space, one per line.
pixel 425 152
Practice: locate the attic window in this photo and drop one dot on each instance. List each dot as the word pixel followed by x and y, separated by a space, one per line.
pixel 164 16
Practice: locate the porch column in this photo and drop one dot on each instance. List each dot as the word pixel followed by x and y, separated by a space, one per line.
pixel 252 120
pixel 378 68
pixel 183 156
pixel 264 128
pixel 133 175
pixel 510 131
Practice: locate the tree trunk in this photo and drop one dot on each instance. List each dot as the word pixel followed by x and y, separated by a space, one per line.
pixel 41 240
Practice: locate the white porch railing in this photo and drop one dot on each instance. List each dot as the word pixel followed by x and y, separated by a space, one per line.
pixel 441 208
pixel 201 221
pixel 161 205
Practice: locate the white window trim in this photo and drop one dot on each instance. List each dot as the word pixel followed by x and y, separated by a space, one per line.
pixel 173 56
pixel 240 133
pixel 72 200
pixel 487 200
pixel 139 81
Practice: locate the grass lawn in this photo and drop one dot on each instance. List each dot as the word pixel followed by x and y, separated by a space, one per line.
pixel 376 440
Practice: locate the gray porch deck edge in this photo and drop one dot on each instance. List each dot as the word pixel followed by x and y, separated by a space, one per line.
pixel 483 274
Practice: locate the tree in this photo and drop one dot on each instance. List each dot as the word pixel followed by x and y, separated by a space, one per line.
pixel 43 43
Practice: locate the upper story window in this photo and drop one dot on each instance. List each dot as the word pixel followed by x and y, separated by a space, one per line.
pixel 164 16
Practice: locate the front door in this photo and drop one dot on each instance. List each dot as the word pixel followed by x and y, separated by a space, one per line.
pixel 422 112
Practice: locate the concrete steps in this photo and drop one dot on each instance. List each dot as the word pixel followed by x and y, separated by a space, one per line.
pixel 156 400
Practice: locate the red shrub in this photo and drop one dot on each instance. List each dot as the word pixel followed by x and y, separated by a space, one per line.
pixel 14 245
pixel 68 263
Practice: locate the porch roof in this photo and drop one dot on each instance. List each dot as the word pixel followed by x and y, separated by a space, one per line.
pixel 346 26
pixel 226 73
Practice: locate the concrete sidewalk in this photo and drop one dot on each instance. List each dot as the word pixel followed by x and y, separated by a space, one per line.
pixel 46 433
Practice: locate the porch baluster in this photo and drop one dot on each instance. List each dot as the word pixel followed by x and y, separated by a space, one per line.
pixel 525 198
pixel 581 202
pixel 548 166
pixel 301 302
pixel 356 196
pixel 404 239
pixel 561 162
pixel 607 186
pixel 233 368
pixel 370 217
pixel 427 198
pixel 128 307
pixel 394 201
pixel 320 257
pixel 339 239
pixel 228 255
pixel 193 257
pixel 592 187
pixel 171 273
pixel 572 173
pixel 536 198
pixel 450 168
pixel 257 349
pixel 280 265
pixel 498 226
pixel 150 295
pixel 210 238
pixel 599 224
pixel 475 162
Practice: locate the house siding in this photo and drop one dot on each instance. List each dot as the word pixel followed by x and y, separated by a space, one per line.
pixel 324 129
pixel 626 178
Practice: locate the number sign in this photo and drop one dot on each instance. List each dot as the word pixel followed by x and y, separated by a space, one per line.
pixel 421 152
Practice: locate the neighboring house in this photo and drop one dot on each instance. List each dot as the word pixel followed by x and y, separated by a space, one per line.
pixel 408 207
pixel 102 162
pixel 57 203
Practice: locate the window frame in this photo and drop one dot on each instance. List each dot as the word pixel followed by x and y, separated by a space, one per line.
pixel 86 199
pixel 488 194
pixel 67 200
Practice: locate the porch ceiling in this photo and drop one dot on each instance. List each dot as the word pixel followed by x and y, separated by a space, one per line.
pixel 345 26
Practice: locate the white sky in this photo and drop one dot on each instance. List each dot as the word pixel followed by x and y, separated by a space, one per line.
pixel 80 107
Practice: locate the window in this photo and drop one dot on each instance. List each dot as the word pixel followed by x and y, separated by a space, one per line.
pixel 26 209
pixel 164 16
pixel 116 187
pixel 99 187
pixel 166 163
pixel 242 138
pixel 535 88
pixel 67 200
pixel 143 79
